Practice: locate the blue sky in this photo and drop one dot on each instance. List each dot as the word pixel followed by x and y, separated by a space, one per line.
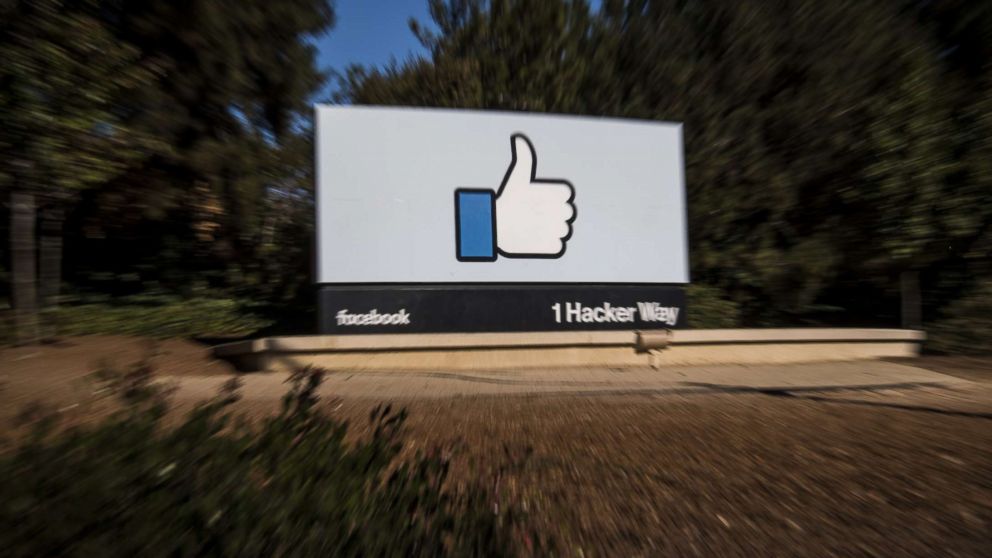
pixel 371 32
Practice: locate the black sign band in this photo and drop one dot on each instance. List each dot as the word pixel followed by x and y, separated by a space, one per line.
pixel 472 309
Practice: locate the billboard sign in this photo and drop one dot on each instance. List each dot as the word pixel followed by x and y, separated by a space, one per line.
pixel 454 205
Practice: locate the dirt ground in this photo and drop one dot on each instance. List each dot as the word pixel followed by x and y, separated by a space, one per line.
pixel 73 357
pixel 731 475
pixel 903 471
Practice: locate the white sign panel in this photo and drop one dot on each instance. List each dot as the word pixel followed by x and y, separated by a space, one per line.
pixel 453 196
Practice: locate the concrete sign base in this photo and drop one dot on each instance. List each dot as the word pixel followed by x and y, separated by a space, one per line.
pixel 494 351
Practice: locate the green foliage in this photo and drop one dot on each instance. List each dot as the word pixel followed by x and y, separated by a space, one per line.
pixel 233 98
pixel 180 131
pixel 966 325
pixel 217 484
pixel 62 74
pixel 160 316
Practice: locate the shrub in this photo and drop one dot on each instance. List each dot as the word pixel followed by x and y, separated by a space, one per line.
pixel 218 484
pixel 707 309
pixel 966 327
pixel 159 316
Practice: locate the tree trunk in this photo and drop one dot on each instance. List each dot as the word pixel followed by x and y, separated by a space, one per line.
pixel 50 268
pixel 912 314
pixel 24 297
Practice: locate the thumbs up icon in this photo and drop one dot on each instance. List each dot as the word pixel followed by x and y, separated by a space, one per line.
pixel 527 217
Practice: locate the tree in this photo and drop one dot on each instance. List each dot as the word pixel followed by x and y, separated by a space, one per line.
pixel 173 134
pixel 62 73
pixel 502 54
pixel 817 139
pixel 231 98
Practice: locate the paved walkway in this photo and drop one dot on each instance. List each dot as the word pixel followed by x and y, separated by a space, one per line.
pixel 814 377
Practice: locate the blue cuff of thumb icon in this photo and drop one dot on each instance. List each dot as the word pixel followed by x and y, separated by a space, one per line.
pixel 475 225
